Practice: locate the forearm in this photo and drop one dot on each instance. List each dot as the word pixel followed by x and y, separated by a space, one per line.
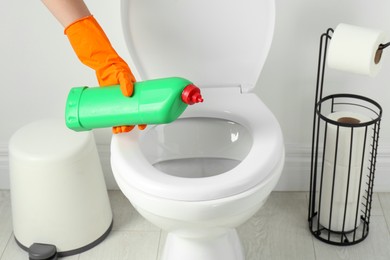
pixel 67 11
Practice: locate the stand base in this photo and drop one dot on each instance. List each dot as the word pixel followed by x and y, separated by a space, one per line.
pixel 226 246
pixel 346 238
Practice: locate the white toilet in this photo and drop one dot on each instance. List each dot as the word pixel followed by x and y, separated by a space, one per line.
pixel 208 172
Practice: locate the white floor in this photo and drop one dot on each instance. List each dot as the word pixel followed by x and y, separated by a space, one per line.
pixel 278 231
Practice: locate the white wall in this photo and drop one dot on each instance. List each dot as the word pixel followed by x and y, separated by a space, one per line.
pixel 38 67
pixel 289 78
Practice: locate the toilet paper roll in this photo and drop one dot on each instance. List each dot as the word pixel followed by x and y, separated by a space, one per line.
pixel 346 155
pixel 339 203
pixel 355 49
pixel 343 170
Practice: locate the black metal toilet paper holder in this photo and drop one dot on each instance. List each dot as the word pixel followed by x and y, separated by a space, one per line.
pixel 332 212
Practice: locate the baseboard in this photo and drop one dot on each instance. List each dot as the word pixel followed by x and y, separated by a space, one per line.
pixel 296 173
pixel 295 176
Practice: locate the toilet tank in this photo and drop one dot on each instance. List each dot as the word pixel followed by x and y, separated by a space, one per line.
pixel 213 43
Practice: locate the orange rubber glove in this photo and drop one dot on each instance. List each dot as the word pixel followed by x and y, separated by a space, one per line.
pixel 93 48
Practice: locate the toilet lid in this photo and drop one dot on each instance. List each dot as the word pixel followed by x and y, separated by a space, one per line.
pixel 219 42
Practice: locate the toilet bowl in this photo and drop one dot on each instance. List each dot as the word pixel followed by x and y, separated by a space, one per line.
pixel 208 172
pixel 201 176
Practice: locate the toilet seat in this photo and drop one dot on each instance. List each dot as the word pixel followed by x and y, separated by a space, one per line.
pixel 265 154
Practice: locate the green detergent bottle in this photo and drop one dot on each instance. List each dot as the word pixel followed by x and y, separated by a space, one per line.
pixel 157 101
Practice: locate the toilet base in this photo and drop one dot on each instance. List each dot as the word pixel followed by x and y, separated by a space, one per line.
pixel 226 246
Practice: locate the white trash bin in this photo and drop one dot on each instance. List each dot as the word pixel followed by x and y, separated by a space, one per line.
pixel 58 194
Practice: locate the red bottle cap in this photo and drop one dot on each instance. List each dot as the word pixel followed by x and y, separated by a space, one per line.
pixel 191 95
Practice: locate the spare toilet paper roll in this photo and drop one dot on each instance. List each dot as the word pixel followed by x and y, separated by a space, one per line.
pixel 345 150
pixel 340 209
pixel 355 49
pixel 346 155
